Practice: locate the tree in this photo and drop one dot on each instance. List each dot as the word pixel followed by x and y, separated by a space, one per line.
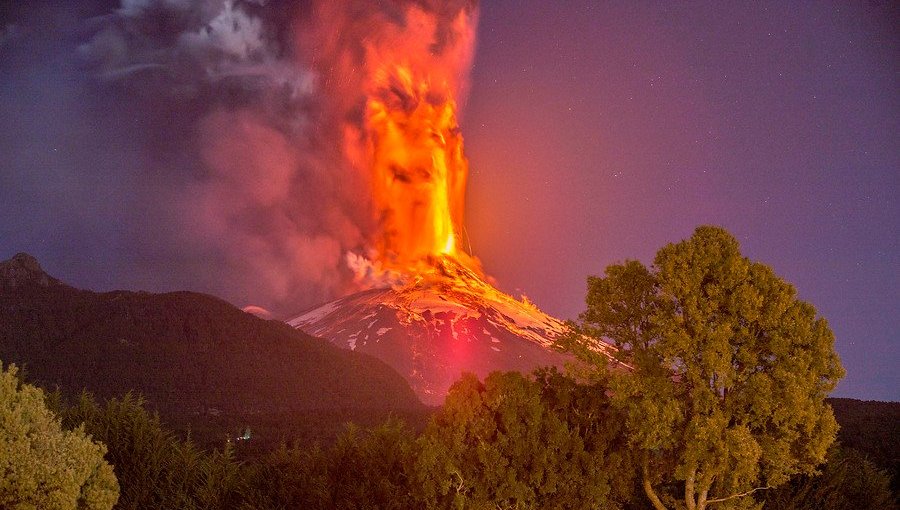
pixel 848 480
pixel 288 477
pixel 370 468
pixel 502 444
pixel 42 465
pixel 364 468
pixel 154 467
pixel 729 372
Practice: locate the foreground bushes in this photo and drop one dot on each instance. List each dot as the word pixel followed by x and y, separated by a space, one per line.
pixel 509 441
pixel 848 480
pixel 156 469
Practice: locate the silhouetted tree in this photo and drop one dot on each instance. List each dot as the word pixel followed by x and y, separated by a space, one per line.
pixel 873 429
pixel 370 468
pixel 847 480
pixel 364 468
pixel 288 477
pixel 155 468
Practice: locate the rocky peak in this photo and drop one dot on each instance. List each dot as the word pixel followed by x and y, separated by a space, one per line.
pixel 24 269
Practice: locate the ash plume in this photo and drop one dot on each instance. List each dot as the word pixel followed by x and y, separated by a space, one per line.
pixel 213 145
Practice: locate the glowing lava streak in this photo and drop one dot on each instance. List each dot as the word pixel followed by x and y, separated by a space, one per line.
pixel 414 145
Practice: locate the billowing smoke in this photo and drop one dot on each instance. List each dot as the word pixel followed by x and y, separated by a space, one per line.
pixel 214 145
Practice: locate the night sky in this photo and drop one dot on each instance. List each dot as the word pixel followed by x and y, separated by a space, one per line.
pixel 596 132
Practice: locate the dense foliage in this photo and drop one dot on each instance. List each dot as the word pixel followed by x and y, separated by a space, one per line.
pixel 873 429
pixel 716 400
pixel 510 441
pixel 364 468
pixel 848 480
pixel 729 372
pixel 517 442
pixel 42 465
pixel 155 468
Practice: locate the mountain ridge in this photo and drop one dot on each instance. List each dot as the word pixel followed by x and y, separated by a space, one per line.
pixel 189 354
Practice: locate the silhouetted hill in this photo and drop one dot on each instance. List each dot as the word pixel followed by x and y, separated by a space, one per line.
pixel 872 428
pixel 194 357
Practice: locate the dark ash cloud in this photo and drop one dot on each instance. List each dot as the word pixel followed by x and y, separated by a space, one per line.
pixel 170 144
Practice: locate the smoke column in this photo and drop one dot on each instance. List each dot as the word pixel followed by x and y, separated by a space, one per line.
pixel 230 146
pixel 410 62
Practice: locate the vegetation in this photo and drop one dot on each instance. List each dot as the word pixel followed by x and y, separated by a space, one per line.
pixel 872 429
pixel 518 442
pixel 155 468
pixel 44 466
pixel 362 469
pixel 847 480
pixel 716 401
pixel 544 441
pixel 730 372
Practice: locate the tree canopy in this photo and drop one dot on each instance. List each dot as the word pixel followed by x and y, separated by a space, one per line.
pixel 44 466
pixel 729 371
pixel 514 441
pixel 154 467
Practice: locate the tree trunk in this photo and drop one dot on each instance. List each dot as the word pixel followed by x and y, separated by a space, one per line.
pixel 701 501
pixel 648 487
pixel 689 491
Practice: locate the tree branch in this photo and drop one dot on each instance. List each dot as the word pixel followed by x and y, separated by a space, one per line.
pixel 747 493
pixel 648 487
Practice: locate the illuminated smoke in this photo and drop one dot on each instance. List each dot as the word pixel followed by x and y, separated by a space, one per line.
pixel 404 68
pixel 257 138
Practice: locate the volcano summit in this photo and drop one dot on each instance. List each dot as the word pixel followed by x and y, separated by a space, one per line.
pixel 436 323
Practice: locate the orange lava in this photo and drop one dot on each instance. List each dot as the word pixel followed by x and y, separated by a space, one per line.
pixel 413 142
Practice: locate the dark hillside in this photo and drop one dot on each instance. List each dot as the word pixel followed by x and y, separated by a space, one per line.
pixel 194 357
pixel 872 428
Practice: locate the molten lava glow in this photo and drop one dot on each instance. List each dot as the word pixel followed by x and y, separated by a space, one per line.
pixel 413 143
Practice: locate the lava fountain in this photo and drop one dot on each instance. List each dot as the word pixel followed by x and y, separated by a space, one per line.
pixel 414 74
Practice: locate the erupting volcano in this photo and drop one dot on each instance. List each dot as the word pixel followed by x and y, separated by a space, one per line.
pixel 427 308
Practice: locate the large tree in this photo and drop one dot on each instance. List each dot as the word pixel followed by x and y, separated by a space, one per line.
pixel 729 371
pixel 43 465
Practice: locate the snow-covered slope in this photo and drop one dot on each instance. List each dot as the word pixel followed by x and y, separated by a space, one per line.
pixel 440 322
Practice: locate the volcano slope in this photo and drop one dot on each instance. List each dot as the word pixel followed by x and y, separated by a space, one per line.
pixel 438 322
pixel 199 361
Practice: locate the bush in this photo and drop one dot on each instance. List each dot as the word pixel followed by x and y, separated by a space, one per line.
pixel 43 465
pixel 514 442
pixel 848 480
pixel 155 468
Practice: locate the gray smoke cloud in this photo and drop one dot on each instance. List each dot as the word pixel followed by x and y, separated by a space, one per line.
pixel 168 144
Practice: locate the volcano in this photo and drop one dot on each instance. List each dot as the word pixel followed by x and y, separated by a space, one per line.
pixel 437 315
pixel 433 324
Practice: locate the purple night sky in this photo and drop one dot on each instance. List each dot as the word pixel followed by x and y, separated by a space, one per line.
pixel 595 131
